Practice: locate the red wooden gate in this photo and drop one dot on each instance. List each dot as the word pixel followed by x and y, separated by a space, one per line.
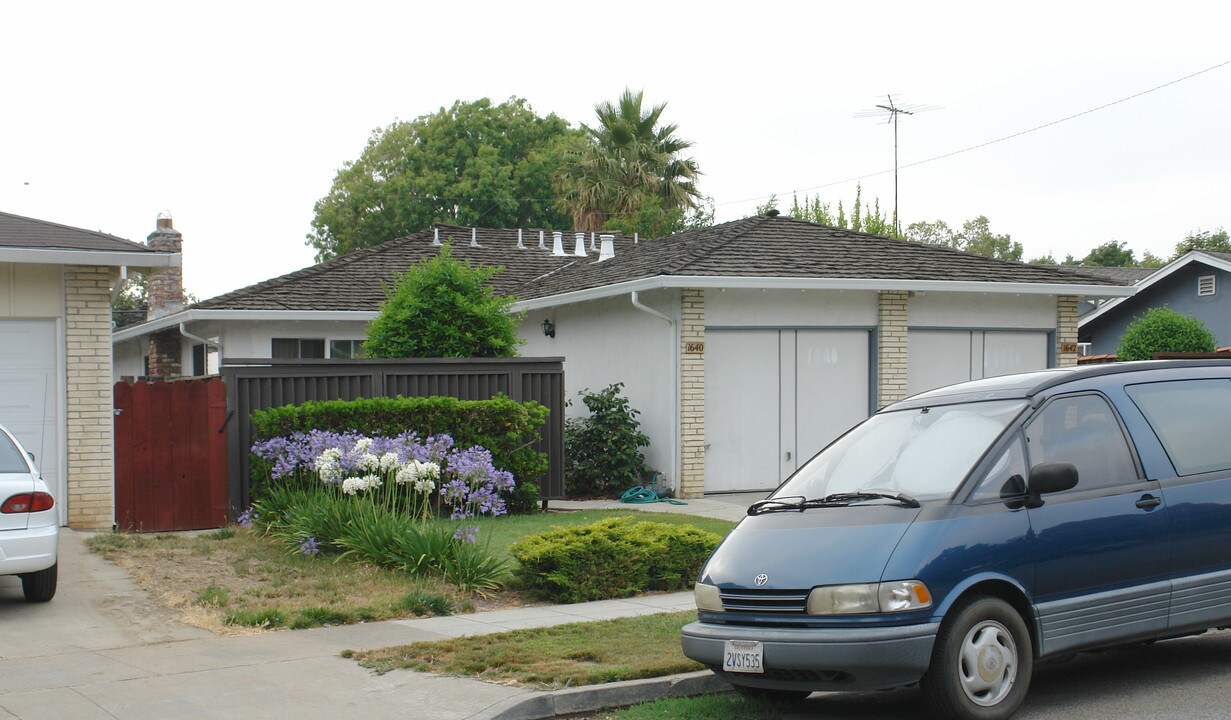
pixel 170 455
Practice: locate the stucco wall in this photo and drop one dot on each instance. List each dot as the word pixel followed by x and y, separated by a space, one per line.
pixel 608 341
pixel 790 308
pixel 979 310
pixel 31 291
pixel 1177 291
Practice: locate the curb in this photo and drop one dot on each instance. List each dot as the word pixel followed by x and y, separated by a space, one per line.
pixel 592 698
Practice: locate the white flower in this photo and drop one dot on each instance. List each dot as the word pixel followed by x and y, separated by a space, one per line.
pixel 369 462
pixel 362 445
pixel 424 485
pixel 352 485
pixel 405 474
pixel 388 461
pixel 370 482
pixel 429 470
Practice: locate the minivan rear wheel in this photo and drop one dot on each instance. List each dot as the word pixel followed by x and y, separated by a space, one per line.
pixel 982 662
pixel 39 586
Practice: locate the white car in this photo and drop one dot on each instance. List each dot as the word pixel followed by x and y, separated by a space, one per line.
pixel 29 524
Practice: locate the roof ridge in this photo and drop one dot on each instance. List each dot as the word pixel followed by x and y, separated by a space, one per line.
pixel 734 230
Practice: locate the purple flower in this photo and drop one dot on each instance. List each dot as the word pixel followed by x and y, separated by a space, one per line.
pixel 247 517
pixel 310 546
pixel 468 535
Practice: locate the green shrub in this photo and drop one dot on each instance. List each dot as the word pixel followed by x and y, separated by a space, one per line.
pixel 251 618
pixel 505 427
pixel 611 559
pixel 603 451
pixel 1162 329
pixel 443 307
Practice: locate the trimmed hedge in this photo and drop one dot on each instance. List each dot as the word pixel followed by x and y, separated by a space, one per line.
pixel 505 427
pixel 611 559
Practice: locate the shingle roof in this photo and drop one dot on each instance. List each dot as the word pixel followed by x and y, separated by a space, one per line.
pixel 1120 275
pixel 23 232
pixel 758 246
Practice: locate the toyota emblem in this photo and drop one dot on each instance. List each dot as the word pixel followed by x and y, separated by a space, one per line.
pixel 760 580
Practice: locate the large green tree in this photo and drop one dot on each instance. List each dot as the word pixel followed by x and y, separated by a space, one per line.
pixel 475 163
pixel 975 237
pixel 444 308
pixel 628 165
pixel 869 219
pixel 1216 240
pixel 1110 254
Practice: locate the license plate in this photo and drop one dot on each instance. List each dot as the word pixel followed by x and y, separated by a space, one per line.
pixel 742 656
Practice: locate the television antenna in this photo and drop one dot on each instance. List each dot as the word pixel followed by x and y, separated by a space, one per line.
pixel 890 111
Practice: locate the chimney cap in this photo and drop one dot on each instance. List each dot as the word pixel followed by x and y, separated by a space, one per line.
pixel 163 221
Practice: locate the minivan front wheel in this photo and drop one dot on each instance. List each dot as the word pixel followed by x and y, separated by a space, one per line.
pixel 981 663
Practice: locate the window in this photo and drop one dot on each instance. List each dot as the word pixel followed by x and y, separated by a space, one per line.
pixel 1190 418
pixel 346 349
pixel 297 348
pixel 1007 476
pixel 198 360
pixel 1082 430
pixel 1205 285
pixel 11 460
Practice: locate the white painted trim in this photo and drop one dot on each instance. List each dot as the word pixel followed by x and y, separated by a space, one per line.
pixel 113 258
pixel 194 315
pixel 1166 271
pixel 660 282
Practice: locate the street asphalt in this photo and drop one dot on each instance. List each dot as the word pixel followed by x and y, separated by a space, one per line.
pixel 89 655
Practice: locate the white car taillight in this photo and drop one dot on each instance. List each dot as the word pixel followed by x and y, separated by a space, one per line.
pixel 27 503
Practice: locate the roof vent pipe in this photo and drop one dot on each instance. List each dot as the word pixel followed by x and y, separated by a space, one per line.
pixel 541 245
pixel 635 238
pixel 557 243
pixel 592 245
pixel 607 248
pixel 474 237
pixel 581 245
pixel 436 236
pixel 520 245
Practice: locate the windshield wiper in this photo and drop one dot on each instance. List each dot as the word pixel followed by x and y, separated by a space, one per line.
pixel 842 499
pixel 789 502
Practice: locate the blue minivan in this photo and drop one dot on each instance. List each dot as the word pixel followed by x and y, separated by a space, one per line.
pixel 958 537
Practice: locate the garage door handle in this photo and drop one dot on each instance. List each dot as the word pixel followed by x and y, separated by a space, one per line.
pixel 1149 501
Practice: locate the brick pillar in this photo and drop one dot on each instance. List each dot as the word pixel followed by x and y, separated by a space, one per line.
pixel 891 359
pixel 164 296
pixel 692 393
pixel 1066 330
pixel 87 310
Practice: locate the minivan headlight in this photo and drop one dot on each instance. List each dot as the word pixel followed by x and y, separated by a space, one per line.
pixel 896 596
pixel 707 597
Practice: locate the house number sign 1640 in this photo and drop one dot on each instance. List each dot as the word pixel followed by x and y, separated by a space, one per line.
pixel 694 348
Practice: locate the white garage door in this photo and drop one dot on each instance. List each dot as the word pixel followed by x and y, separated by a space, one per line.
pixel 773 398
pixel 29 397
pixel 943 357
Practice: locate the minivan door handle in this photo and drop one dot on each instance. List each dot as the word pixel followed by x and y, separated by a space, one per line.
pixel 1148 502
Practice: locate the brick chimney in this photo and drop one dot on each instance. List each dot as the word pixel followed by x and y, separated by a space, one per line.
pixel 164 296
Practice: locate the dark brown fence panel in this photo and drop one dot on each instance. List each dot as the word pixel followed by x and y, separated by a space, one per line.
pixel 170 455
pixel 262 383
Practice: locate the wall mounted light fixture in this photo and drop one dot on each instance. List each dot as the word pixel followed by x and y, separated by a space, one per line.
pixel 549 329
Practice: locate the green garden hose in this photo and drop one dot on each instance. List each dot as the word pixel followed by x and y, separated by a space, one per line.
pixel 640 495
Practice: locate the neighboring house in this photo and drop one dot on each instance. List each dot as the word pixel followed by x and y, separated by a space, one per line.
pixel 746 346
pixel 1196 284
pixel 56 288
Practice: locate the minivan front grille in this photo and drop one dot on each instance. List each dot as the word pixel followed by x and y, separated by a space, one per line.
pixel 765 601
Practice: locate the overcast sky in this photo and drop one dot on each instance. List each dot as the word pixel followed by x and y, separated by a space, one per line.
pixel 235 117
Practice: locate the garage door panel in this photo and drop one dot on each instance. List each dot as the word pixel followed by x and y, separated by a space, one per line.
pixel 1005 353
pixel 943 357
pixel 741 410
pixel 832 371
pixel 29 394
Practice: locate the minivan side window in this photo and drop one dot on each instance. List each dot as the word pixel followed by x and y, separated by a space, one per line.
pixel 1190 418
pixel 1083 430
pixel 1008 475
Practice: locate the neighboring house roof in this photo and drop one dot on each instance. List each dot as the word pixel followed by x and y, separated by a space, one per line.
pixel 1219 260
pixel 759 251
pixel 26 240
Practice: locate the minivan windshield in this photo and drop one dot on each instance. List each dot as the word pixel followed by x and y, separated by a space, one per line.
pixel 920 453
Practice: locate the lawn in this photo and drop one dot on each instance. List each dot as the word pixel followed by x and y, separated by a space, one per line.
pixel 235 580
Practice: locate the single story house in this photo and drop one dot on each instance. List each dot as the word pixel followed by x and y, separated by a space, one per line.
pixel 1196 284
pixel 747 346
pixel 56 287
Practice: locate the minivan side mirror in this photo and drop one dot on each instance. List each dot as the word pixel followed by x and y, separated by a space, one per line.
pixel 1049 478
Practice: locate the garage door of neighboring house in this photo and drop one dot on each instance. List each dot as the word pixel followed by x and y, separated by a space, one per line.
pixel 29 396
pixel 773 398
pixel 943 357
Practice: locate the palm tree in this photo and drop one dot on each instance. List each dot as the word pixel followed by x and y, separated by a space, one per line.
pixel 624 164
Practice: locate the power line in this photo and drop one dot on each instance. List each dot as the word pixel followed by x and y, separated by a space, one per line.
pixel 1000 139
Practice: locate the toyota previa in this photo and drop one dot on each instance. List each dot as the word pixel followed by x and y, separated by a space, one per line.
pixel 957 538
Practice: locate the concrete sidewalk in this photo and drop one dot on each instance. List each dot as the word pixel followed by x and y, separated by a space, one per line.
pixel 87 655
